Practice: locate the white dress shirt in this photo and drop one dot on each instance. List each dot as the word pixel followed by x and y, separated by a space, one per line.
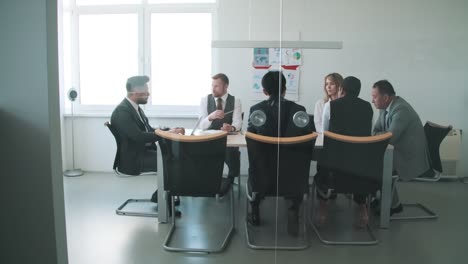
pixel 236 115
pixel 136 106
pixel 318 115
pixel 326 116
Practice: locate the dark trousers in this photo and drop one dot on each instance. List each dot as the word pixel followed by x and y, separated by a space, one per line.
pixel 295 201
pixel 233 161
pixel 150 161
pixel 324 181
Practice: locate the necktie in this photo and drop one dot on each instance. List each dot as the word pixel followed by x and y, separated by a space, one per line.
pixel 144 119
pixel 219 104
pixel 385 120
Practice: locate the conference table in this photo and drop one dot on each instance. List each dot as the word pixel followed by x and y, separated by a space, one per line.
pixel 238 140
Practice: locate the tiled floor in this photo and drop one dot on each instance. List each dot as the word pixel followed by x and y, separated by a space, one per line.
pixel 97 235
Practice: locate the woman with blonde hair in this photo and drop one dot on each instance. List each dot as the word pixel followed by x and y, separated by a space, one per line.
pixel 331 88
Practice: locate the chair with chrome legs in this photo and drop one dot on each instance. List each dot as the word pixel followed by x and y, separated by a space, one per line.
pixel 435 133
pixel 193 167
pixel 278 167
pixel 352 165
pixel 143 207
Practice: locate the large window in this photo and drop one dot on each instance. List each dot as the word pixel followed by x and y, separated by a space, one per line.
pixel 180 57
pixel 108 41
pixel 108 48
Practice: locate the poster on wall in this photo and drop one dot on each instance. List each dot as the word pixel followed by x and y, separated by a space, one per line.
pixel 286 60
pixel 261 58
pixel 291 57
pixel 257 89
pixel 292 84
pixel 288 57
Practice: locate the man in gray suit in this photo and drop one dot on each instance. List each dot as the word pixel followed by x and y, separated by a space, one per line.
pixel 410 158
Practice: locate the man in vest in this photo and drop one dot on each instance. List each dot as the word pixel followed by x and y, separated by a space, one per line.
pixel 222 111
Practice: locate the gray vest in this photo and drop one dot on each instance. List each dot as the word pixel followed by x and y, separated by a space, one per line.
pixel 211 107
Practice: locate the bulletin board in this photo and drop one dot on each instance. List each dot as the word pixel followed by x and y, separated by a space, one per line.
pixel 288 60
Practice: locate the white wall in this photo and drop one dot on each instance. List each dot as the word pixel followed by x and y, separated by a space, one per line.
pixel 417 45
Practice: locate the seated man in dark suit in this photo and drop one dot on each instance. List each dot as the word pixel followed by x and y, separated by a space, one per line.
pixel 280 111
pixel 351 116
pixel 137 138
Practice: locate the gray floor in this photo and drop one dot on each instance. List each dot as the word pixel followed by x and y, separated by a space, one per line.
pixel 97 235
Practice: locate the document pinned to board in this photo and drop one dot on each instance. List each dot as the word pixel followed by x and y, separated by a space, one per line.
pixel 288 60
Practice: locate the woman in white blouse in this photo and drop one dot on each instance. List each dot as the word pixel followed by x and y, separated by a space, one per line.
pixel 331 86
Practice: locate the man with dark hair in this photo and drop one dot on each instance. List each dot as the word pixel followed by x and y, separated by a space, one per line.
pixel 280 111
pixel 137 151
pixel 222 111
pixel 410 154
pixel 351 115
pixel 348 115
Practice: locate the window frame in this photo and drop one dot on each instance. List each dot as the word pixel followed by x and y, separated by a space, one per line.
pixel 143 11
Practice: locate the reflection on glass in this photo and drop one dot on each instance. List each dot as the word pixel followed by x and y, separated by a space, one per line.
pixel 108 56
pixel 180 57
pixel 301 119
pixel 258 118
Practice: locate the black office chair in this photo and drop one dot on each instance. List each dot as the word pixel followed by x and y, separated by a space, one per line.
pixel 146 207
pixel 312 123
pixel 354 165
pixel 193 166
pixel 435 133
pixel 284 173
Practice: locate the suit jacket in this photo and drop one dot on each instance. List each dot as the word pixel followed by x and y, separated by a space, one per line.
pixel 351 116
pixel 410 154
pixel 133 137
pixel 274 110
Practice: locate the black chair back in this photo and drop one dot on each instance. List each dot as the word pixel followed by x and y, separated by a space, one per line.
pixel 117 142
pixel 279 166
pixel 434 135
pixel 192 165
pixel 355 162
pixel 311 122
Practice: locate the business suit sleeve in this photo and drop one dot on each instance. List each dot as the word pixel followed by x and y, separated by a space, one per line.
pixel 399 121
pixel 125 123
pixel 378 128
